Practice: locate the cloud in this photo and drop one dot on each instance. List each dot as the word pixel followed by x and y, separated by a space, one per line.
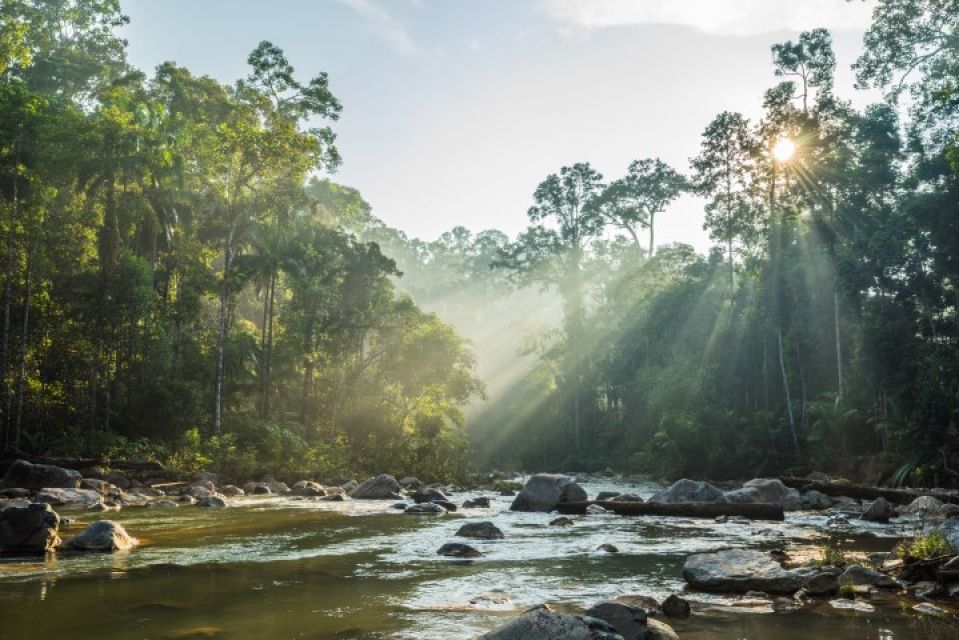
pixel 384 25
pixel 720 17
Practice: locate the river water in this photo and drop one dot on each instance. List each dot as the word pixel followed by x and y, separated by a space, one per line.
pixel 289 568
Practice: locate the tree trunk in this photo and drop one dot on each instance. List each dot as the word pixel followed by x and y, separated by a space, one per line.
pixel 221 330
pixel 267 390
pixel 7 301
pixel 652 236
pixel 25 329
pixel 754 511
pixel 789 407
pixel 835 298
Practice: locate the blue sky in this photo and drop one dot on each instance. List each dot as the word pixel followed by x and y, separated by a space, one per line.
pixel 455 110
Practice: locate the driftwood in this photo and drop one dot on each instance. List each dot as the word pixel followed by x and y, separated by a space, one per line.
pixel 754 511
pixel 860 492
pixel 84 463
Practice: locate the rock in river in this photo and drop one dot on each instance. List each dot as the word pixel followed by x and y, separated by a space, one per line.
pixel 484 530
pixel 629 622
pixel 879 511
pixel 30 529
pixel 482 502
pixel 382 487
pixel 308 488
pixel 425 509
pixel 458 550
pixel 542 623
pixel 857 574
pixel 103 535
pixel 742 570
pixel 38 476
pixel 544 491
pixel 212 502
pixel 689 491
pixel 69 497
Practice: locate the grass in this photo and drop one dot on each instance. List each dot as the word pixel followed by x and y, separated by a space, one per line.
pixel 924 547
pixel 833 556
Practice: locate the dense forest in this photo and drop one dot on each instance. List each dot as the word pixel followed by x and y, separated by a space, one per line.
pixel 181 281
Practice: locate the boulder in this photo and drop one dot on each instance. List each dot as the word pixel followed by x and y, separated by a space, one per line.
pixel 69 497
pixel 259 490
pixel 626 497
pixel 595 510
pixel 212 502
pixel 606 495
pixel 815 500
pixel 561 521
pixel 26 475
pixel 347 486
pixel 103 535
pixel 659 630
pixel 690 491
pixel 277 487
pixel 382 487
pixel 859 575
pixel 482 502
pixel 425 509
pixel 542 623
pixel 950 531
pixel 29 529
pixel 608 547
pixel 819 476
pixel 924 505
pixel 675 607
pixel 186 500
pixel 102 487
pixel 14 492
pixel 232 491
pixel 446 504
pixel 308 488
pixel 458 550
pixel 742 570
pixel 199 491
pixel 335 497
pixel 430 494
pixel 410 482
pixel 880 510
pixel 484 530
pixel 544 491
pixel 629 622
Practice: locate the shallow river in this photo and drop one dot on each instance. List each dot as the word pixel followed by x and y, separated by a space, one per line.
pixel 286 568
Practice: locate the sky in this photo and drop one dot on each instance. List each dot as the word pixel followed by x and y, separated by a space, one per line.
pixel 454 111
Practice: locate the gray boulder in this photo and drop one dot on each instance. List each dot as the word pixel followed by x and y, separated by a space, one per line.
pixel 429 494
pixel 880 510
pixel 859 575
pixel 626 497
pixel 38 476
pixel 382 487
pixel 924 505
pixel 542 623
pixel 629 622
pixel 232 491
pixel 410 482
pixel 481 502
pixel 458 550
pixel 69 497
pixel 606 495
pixel 29 529
pixel 675 607
pixel 308 488
pixel 690 491
pixel 742 570
pixel 950 531
pixel 544 491
pixel 103 535
pixel 815 500
pixel 485 530
pixel 215 501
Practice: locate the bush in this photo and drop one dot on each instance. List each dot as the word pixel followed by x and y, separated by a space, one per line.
pixel 924 547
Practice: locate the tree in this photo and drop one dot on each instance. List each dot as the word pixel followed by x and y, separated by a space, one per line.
pixel 723 172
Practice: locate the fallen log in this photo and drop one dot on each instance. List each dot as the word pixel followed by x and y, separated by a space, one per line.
pixel 860 492
pixel 85 463
pixel 753 511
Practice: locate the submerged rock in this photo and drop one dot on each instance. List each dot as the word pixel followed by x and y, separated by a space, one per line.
pixel 458 550
pixel 595 510
pixel 482 502
pixel 561 521
pixel 29 529
pixel 689 491
pixel 425 509
pixel 544 491
pixel 382 487
pixel 214 502
pixel 27 475
pixel 163 504
pixel 742 570
pixel 608 547
pixel 542 623
pixel 480 530
pixel 103 535
pixel 629 622
pixel 606 495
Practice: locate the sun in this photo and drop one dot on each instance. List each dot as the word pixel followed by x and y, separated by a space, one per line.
pixel 784 149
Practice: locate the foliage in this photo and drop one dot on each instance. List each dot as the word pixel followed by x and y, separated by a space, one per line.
pixel 924 547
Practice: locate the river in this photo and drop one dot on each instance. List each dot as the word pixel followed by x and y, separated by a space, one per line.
pixel 294 568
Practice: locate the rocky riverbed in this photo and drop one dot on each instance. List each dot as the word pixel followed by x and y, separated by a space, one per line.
pixel 322 564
